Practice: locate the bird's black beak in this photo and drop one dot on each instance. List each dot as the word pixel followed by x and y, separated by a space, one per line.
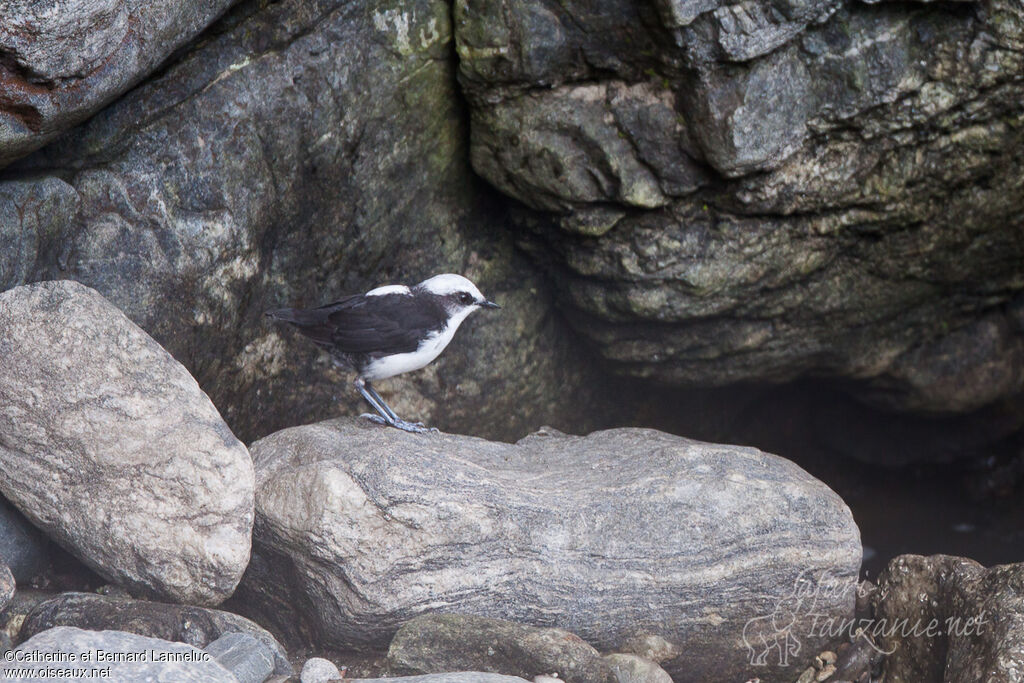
pixel 489 304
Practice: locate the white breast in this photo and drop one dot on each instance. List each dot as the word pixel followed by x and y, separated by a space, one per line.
pixel 429 349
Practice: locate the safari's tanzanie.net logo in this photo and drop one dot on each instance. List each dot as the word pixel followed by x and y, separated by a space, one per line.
pixel 776 636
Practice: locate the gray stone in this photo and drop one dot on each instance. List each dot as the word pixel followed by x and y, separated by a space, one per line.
pixel 248 660
pixel 436 643
pixel 22 546
pixel 301 151
pixel 196 626
pixel 111 448
pixel 319 670
pixel 587 143
pixel 824 188
pixel 61 63
pixel 621 533
pixel 155 658
pixel 964 622
pixel 632 669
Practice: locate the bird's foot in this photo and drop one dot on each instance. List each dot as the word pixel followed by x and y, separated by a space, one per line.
pixel 414 427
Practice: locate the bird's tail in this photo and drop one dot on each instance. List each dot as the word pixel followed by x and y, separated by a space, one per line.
pixel 285 315
pixel 300 317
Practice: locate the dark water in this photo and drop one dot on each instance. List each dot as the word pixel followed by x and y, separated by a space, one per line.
pixel 930 510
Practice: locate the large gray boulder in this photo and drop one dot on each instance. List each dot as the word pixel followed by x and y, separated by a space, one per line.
pixel 129 658
pixel 63 62
pixel 110 447
pixel 196 626
pixel 766 189
pixel 299 152
pixel 615 536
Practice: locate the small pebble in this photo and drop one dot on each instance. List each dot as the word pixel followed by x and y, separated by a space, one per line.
pixel 319 670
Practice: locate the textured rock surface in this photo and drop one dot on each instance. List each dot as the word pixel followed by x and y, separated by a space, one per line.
pixel 301 151
pixel 248 659
pixel 196 626
pixel 319 670
pixel 975 615
pixel 22 546
pixel 436 643
pixel 633 669
pixel 760 190
pixel 109 446
pixel 196 666
pixel 59 63
pixel 620 534
pixel 7 585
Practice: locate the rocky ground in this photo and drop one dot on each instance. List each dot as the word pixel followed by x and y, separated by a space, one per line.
pixel 795 225
pixel 628 555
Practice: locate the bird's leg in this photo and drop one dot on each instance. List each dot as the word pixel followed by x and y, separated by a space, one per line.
pixel 387 416
pixel 380 401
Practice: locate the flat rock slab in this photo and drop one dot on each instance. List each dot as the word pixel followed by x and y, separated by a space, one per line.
pixel 110 447
pixel 615 536
pixel 195 626
pixel 130 658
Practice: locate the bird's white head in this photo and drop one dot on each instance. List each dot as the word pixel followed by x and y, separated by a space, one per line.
pixel 457 292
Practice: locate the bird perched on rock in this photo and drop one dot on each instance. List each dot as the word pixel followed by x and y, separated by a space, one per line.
pixel 388 331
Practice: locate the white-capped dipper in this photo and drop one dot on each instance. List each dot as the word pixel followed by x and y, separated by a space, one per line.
pixel 388 331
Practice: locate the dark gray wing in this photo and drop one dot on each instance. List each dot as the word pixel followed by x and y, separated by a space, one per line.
pixel 385 324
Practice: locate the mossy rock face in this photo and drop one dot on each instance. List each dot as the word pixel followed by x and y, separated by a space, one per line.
pixel 824 189
pixel 300 151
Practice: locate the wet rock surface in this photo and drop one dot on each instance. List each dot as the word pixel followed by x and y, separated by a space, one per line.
pixel 111 448
pixel 196 626
pixel 360 529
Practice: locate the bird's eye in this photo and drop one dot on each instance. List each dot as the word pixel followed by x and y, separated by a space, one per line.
pixel 466 298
